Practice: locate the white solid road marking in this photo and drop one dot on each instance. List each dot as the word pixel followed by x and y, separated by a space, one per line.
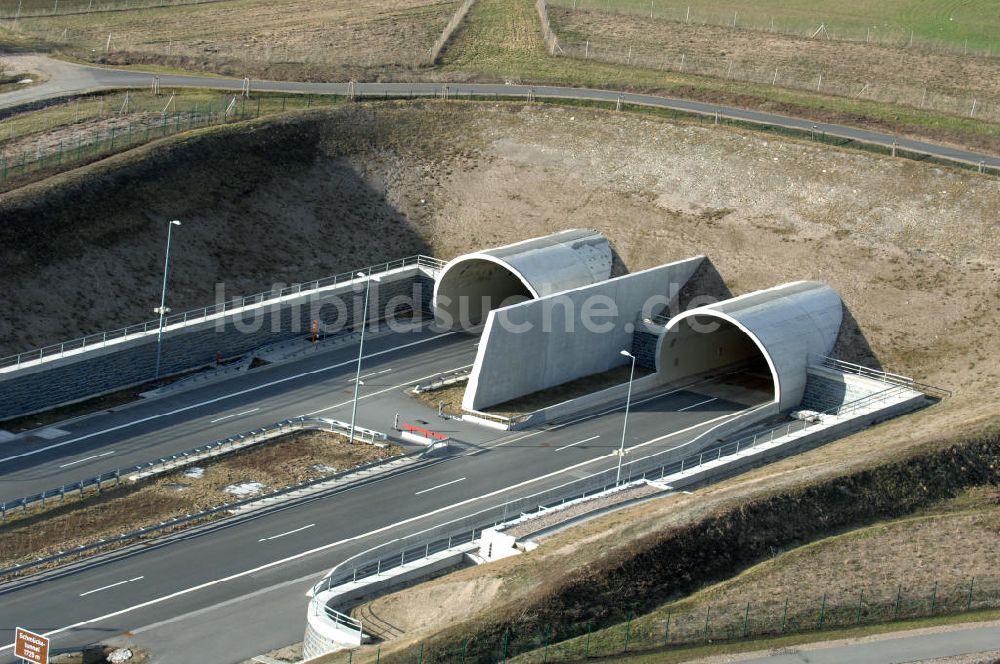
pixel 120 583
pixel 585 440
pixel 331 545
pixel 700 403
pixel 290 532
pixel 226 417
pixel 388 389
pixel 93 456
pixel 222 398
pixel 374 373
pixel 461 479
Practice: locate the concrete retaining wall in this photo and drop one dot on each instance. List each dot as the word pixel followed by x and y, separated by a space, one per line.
pixel 827 389
pixel 98 370
pixel 552 340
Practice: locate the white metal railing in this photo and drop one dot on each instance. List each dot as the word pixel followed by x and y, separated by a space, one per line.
pixel 175 461
pixel 102 339
pixel 877 374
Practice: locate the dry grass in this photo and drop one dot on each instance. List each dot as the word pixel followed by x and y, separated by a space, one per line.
pixel 258 38
pixel 939 557
pixel 449 398
pixel 892 74
pixel 287 460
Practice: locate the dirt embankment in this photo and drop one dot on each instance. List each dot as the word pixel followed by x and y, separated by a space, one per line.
pixel 911 247
pixel 642 573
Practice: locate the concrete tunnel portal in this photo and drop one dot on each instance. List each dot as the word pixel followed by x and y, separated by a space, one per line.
pixel 466 293
pixel 699 344
pixel 472 285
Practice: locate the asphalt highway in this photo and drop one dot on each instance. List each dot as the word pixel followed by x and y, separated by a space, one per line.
pixel 286 550
pixel 66 79
pixel 320 385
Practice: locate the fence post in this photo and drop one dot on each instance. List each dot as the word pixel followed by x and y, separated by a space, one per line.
pixel 420 659
pixel 628 632
pixel 934 598
pixel 746 620
pixel 465 648
pixel 784 616
pixel 666 631
pixel 895 608
pixel 708 614
pixel 503 651
pixel 586 648
pixel 861 601
pixel 822 611
pixel 545 645
pixel 968 600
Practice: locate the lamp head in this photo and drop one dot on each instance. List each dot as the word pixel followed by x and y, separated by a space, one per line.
pixel 627 354
pixel 175 222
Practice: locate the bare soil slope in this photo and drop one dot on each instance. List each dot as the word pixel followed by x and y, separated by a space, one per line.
pixel 912 248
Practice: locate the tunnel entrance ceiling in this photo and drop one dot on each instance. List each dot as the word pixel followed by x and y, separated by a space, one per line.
pixel 473 288
pixel 702 344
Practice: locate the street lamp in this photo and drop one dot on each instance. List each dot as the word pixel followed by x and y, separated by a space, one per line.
pixel 361 349
pixel 162 310
pixel 628 400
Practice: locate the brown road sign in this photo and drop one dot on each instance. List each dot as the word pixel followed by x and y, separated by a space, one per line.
pixel 31 647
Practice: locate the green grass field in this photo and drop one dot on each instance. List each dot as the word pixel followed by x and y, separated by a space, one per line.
pixel 973 24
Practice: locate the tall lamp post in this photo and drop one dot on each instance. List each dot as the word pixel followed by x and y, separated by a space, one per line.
pixel 628 401
pixel 361 349
pixel 162 310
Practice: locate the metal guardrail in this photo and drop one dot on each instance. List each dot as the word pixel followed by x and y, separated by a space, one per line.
pixel 114 477
pixel 879 375
pixel 188 518
pixel 101 339
pixel 444 379
pixel 441 539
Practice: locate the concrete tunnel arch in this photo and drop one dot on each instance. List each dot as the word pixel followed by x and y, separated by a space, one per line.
pixel 472 285
pixel 778 328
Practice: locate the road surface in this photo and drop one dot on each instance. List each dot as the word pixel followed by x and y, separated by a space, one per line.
pixel 209 578
pixel 891 649
pixel 66 79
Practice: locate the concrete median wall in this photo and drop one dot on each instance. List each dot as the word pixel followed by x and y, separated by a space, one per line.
pixel 552 340
pixel 99 370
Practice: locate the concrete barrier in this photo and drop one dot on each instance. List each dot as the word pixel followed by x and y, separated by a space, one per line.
pixel 100 368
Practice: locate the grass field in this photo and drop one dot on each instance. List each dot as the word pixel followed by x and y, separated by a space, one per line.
pixel 259 38
pixel 60 137
pixel 501 40
pixel 939 561
pixel 959 26
pixel 934 80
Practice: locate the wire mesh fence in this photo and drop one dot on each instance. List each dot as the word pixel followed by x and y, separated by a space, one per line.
pixel 810 24
pixel 762 72
pixel 530 641
pixel 18 9
pixel 108 124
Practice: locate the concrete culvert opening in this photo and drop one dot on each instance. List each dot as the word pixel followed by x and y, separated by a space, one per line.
pixel 698 344
pixel 469 290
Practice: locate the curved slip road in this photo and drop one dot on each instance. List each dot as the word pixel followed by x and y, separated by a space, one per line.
pixel 66 79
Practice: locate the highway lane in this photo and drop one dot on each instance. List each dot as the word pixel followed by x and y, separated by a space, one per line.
pixel 351 520
pixel 321 384
pixel 69 78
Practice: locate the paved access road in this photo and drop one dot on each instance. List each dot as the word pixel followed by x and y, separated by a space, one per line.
pixel 893 649
pixel 220 579
pixel 66 78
